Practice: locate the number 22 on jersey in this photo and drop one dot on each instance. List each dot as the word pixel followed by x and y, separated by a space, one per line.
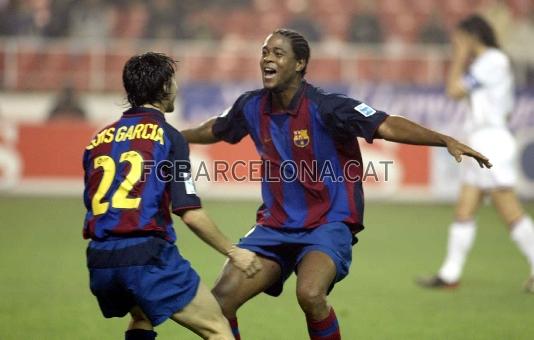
pixel 120 199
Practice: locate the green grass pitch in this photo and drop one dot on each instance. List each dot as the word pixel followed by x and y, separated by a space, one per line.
pixel 44 290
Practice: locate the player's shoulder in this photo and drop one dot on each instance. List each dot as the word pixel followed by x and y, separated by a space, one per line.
pixel 495 56
pixel 172 133
pixel 327 99
pixel 103 130
pixel 178 144
pixel 108 126
pixel 245 99
pixel 253 93
pixel 247 96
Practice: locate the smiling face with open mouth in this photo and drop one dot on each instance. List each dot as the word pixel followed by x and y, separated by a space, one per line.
pixel 278 64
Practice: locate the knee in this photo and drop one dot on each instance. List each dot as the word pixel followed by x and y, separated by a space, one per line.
pixel 311 298
pixel 225 296
pixel 464 214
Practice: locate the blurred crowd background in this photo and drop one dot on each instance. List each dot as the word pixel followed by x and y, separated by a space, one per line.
pixel 352 21
pixel 61 73
pixel 73 46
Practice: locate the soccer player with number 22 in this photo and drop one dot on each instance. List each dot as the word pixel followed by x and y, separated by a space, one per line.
pixel 133 263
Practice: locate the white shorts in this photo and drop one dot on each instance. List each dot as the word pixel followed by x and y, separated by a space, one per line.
pixel 500 147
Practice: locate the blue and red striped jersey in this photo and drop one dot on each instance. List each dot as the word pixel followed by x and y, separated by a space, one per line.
pixel 311 160
pixel 136 169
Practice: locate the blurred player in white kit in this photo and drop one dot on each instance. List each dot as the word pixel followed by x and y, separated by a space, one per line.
pixel 483 73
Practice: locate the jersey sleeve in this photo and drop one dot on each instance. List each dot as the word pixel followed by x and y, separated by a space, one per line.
pixel 182 187
pixel 85 165
pixel 487 72
pixel 348 118
pixel 231 125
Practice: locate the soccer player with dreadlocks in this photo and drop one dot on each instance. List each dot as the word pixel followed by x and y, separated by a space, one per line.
pixel 305 225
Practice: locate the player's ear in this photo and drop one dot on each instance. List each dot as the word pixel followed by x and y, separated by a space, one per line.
pixel 301 63
pixel 167 88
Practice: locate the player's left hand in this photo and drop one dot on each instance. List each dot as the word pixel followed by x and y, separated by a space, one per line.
pixel 245 260
pixel 457 149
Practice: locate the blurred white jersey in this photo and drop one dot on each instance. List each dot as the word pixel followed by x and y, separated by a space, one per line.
pixel 490 84
pixel 491 90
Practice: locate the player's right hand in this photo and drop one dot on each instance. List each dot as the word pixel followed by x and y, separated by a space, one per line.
pixel 462 44
pixel 245 260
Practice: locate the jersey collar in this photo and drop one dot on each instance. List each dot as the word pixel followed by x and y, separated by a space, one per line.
pixel 294 105
pixel 143 111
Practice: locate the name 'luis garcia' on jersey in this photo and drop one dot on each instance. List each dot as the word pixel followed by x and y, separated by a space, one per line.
pixel 139 131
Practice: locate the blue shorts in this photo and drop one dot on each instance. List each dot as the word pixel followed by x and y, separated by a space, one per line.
pixel 145 271
pixel 288 246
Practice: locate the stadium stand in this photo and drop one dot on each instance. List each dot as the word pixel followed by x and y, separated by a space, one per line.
pixel 88 45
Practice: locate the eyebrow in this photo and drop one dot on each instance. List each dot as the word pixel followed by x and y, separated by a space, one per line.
pixel 276 49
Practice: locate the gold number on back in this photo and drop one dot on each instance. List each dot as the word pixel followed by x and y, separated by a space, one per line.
pixel 108 166
pixel 120 199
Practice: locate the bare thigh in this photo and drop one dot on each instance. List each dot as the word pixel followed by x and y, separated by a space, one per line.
pixel 204 317
pixel 468 202
pixel 233 288
pixel 507 204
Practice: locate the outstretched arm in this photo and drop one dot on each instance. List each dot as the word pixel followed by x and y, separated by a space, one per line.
pixel 401 130
pixel 200 223
pixel 202 134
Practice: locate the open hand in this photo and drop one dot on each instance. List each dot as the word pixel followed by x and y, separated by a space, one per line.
pixel 457 149
pixel 245 260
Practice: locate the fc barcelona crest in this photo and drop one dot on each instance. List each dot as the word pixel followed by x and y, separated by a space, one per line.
pixel 301 138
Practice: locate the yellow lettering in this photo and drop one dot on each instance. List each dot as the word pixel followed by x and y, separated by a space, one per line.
pixel 94 142
pixel 101 136
pixel 159 136
pixel 145 134
pixel 138 130
pixel 129 134
pixel 154 132
pixel 110 133
pixel 120 136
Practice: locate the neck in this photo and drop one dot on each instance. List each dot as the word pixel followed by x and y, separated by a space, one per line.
pixel 479 49
pixel 282 98
pixel 154 106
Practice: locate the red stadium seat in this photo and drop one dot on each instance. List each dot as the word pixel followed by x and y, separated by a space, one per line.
pixel 198 68
pixel 395 71
pixel 324 70
pixel 113 69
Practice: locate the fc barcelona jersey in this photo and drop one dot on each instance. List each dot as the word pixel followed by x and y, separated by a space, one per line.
pixel 311 160
pixel 137 172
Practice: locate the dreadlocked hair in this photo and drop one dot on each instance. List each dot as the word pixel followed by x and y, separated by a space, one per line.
pixel 299 44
